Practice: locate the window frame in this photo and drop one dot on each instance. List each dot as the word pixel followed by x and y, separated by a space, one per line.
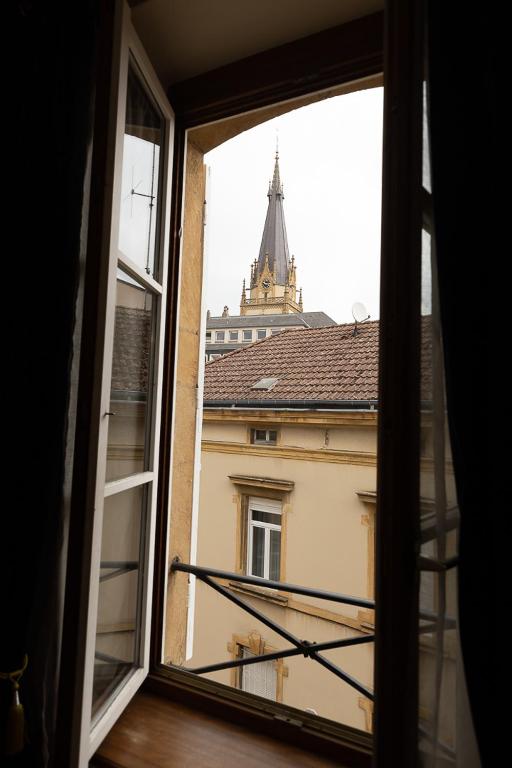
pixel 119 49
pixel 273 508
pixel 267 441
pixel 366 65
pixel 247 336
pixel 220 337
pixel 162 676
pixel 233 336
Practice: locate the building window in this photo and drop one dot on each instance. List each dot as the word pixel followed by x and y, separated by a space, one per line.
pixel 264 539
pixel 247 335
pixel 275 330
pixel 208 336
pixel 262 332
pixel 219 335
pixel 233 335
pixel 263 679
pixel 260 679
pixel 264 436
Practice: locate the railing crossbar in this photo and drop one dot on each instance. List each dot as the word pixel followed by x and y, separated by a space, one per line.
pixel 302 646
pixel 251 610
pixel 274 655
pixel 323 594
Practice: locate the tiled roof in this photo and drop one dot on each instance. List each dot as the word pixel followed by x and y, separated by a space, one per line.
pixel 325 364
pixel 306 319
pixel 132 338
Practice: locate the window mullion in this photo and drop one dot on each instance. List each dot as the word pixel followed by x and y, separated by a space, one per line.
pixel 266 570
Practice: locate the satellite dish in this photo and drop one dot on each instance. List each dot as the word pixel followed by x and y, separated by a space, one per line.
pixel 360 314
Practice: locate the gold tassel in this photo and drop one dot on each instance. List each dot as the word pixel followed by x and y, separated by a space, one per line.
pixel 15 733
pixel 15 730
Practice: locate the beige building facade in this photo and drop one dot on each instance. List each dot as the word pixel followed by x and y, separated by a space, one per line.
pixel 287 494
pixel 318 478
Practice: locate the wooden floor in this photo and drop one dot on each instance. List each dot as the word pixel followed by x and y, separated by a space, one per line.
pixel 157 732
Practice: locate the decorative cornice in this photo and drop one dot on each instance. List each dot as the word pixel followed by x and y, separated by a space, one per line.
pixel 370 497
pixel 288 602
pixel 358 458
pixel 310 417
pixel 270 483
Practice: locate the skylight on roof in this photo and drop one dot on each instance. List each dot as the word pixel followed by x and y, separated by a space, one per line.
pixel 265 383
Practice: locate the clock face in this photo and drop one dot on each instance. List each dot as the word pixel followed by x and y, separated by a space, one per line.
pixel 266 283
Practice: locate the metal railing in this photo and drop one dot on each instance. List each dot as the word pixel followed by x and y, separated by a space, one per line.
pixel 308 649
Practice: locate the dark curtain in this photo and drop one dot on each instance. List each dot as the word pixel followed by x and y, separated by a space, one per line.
pixel 48 117
pixel 464 144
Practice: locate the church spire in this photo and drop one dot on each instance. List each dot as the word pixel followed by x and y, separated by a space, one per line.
pixel 274 241
pixel 273 284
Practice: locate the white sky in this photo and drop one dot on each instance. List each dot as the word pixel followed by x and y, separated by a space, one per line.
pixel 330 156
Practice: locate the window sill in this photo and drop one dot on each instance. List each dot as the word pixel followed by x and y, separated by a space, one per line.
pixel 269 595
pixel 177 716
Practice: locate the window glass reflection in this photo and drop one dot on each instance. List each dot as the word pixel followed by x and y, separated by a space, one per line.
pixel 131 375
pixel 140 185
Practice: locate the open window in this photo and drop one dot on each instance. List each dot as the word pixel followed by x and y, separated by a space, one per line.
pixel 127 399
pixel 145 291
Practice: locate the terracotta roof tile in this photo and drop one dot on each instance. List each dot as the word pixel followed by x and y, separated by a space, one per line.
pixel 327 363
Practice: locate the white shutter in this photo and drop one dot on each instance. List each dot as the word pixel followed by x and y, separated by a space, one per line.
pixel 260 679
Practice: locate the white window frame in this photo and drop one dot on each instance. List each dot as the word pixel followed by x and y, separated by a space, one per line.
pixel 233 335
pixel 127 49
pixel 267 440
pixel 262 505
pixel 219 334
pixel 247 330
pixel 261 331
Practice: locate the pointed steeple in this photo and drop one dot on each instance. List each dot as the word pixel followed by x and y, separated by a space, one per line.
pixel 274 241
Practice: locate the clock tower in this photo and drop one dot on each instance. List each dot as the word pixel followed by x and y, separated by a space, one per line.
pixel 273 283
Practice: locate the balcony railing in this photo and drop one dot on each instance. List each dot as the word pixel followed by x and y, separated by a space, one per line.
pixel 307 648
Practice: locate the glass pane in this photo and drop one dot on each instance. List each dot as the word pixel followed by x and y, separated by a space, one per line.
pixel 440 681
pixel 275 555
pixel 258 552
pixel 119 602
pixel 140 185
pixel 266 517
pixel 426 148
pixel 131 376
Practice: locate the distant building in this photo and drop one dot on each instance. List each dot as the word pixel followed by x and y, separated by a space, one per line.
pixel 287 493
pixel 272 302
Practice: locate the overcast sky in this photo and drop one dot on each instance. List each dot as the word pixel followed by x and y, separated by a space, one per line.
pixel 330 156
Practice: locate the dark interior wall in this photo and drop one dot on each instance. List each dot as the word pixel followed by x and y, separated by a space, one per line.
pixel 51 78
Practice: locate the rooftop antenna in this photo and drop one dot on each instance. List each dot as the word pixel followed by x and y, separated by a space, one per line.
pixel 360 315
